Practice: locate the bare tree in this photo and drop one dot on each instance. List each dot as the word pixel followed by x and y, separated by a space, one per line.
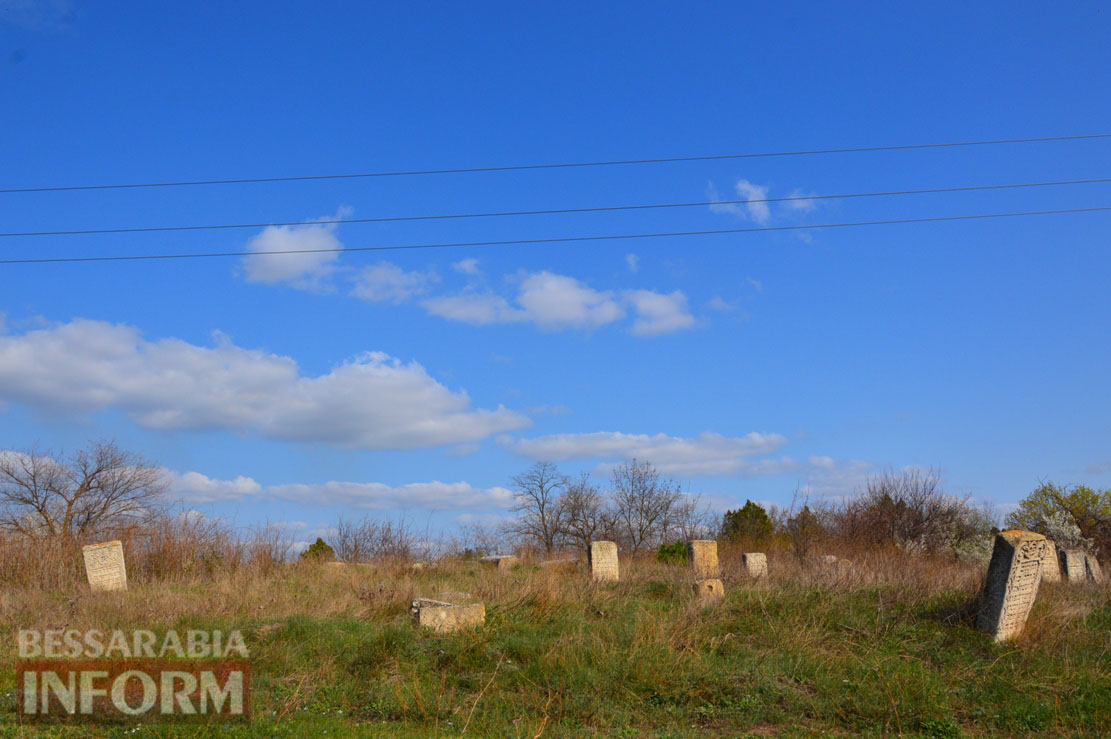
pixel 96 489
pixel 537 492
pixel 585 517
pixel 362 541
pixel 691 520
pixel 644 504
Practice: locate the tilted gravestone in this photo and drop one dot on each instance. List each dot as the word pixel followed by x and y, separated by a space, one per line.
pixel 703 555
pixel 755 564
pixel 443 617
pixel 1091 564
pixel 1073 564
pixel 604 566
pixel 1014 574
pixel 709 591
pixel 104 566
pixel 1051 567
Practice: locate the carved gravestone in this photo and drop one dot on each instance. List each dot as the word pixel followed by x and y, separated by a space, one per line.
pixel 709 591
pixel 703 555
pixel 603 561
pixel 755 564
pixel 1051 568
pixel 104 566
pixel 443 617
pixel 1014 574
pixel 1073 563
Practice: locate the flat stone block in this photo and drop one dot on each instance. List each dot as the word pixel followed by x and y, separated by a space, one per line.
pixel 443 617
pixel 104 566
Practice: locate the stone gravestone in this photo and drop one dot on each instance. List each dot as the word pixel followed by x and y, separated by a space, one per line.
pixel 1091 565
pixel 1072 564
pixel 704 558
pixel 1051 568
pixel 501 561
pixel 443 617
pixel 709 591
pixel 1014 573
pixel 603 561
pixel 104 566
pixel 755 564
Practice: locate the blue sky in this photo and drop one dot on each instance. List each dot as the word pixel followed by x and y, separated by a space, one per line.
pixel 300 388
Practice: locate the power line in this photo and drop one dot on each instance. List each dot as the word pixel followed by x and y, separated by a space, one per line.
pixel 558 211
pixel 562 165
pixel 560 240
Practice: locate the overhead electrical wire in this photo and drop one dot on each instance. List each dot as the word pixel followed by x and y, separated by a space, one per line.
pixel 558 240
pixel 557 211
pixel 560 165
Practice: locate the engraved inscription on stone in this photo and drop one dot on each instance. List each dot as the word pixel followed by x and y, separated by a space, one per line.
pixel 755 564
pixel 603 561
pixel 704 558
pixel 104 566
pixel 1051 568
pixel 1014 574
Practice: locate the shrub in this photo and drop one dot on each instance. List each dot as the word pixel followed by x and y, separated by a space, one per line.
pixel 319 550
pixel 673 553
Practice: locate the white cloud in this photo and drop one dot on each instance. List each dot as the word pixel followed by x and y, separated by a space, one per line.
pixel 306 271
pixel 557 301
pixel 800 204
pixel 757 211
pixel 547 300
pixel 386 281
pixel 658 313
pixel 379 496
pixel 706 454
pixel 468 266
pixel 193 487
pixel 721 305
pixel 372 401
pixel 633 262
pixel 477 309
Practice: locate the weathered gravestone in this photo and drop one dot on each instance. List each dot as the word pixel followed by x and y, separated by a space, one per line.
pixel 1073 564
pixel 836 566
pixel 1014 573
pixel 709 591
pixel 1091 564
pixel 603 561
pixel 501 561
pixel 755 564
pixel 104 566
pixel 1051 567
pixel 704 558
pixel 443 617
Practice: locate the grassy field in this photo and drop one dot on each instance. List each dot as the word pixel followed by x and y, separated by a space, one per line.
pixel 887 650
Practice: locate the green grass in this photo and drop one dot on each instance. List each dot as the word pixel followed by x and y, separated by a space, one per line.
pixel 640 659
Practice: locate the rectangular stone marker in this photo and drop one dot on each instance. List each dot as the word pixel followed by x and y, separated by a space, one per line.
pixel 104 566
pixel 443 617
pixel 501 561
pixel 709 591
pixel 1051 568
pixel 1073 564
pixel 1014 573
pixel 704 558
pixel 603 561
pixel 755 564
pixel 1091 564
